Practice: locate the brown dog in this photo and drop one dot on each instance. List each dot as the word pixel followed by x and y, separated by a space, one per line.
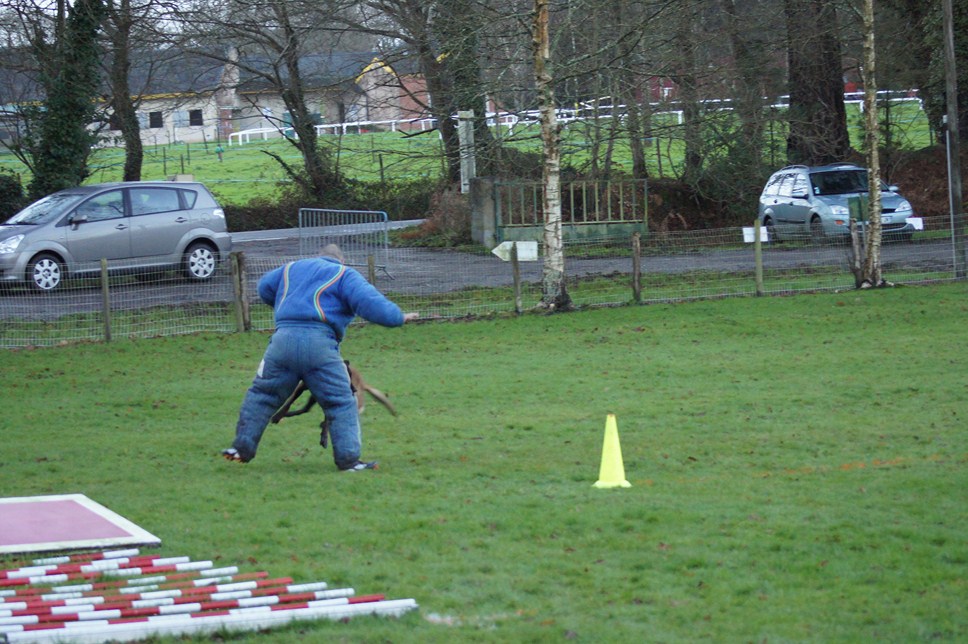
pixel 357 384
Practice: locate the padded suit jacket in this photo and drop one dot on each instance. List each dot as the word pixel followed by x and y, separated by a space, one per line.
pixel 322 290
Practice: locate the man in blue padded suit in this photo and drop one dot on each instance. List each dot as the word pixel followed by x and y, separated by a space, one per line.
pixel 314 300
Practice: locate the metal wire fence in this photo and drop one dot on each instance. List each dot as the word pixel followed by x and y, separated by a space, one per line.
pixel 447 284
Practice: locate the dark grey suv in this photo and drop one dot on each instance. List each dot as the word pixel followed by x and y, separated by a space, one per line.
pixel 136 226
pixel 812 202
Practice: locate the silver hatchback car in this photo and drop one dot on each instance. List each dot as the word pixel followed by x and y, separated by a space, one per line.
pixel 801 202
pixel 138 225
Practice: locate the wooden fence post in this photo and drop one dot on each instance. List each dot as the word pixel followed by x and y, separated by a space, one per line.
pixel 243 319
pixel 516 276
pixel 105 300
pixel 758 257
pixel 637 267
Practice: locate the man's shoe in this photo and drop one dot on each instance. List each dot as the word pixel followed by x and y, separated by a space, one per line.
pixel 232 454
pixel 359 466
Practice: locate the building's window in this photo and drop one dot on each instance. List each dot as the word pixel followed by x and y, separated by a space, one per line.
pixel 188 118
pixel 155 120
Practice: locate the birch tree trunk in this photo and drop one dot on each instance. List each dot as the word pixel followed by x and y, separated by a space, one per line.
pixel 554 294
pixel 871 272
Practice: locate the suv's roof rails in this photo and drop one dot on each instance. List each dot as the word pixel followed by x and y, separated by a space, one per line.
pixel 841 164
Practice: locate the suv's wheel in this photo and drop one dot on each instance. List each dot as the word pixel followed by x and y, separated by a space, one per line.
pixel 817 235
pixel 200 261
pixel 45 272
pixel 770 229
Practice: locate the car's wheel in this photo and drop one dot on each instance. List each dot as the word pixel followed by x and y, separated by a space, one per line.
pixel 817 235
pixel 770 230
pixel 45 272
pixel 200 261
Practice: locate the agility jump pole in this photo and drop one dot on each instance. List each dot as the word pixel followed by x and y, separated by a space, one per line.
pixel 86 556
pixel 123 570
pixel 153 598
pixel 68 595
pixel 241 589
pixel 91 566
pixel 170 606
pixel 133 584
pixel 239 619
pixel 136 607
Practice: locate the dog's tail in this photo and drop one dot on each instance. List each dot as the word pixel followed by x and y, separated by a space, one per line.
pixel 381 398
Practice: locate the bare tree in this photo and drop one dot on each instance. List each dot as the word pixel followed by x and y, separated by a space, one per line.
pixel 818 116
pixel 444 38
pixel 554 294
pixel 685 70
pixel 617 56
pixel 62 41
pixel 749 65
pixel 123 19
pixel 265 42
pixel 867 273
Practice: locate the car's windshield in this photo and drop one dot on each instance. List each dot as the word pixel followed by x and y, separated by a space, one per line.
pixel 839 182
pixel 40 212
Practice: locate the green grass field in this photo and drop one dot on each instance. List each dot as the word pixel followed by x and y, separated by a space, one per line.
pixel 246 172
pixel 798 469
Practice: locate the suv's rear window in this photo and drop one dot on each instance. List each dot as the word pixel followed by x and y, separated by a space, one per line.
pixel 773 186
pixel 189 197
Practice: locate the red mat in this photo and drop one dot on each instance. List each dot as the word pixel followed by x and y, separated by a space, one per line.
pixel 64 522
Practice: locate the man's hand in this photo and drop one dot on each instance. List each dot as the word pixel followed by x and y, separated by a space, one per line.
pixel 409 317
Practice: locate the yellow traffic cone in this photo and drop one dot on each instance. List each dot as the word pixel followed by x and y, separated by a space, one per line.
pixel 612 472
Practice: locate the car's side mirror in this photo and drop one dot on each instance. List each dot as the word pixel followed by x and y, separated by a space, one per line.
pixel 77 219
pixel 893 188
pixel 800 195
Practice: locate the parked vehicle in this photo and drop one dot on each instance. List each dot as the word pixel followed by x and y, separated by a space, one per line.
pixel 143 225
pixel 813 202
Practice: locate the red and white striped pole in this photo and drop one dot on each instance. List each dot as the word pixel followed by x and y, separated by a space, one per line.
pixel 35 606
pixel 169 606
pixel 160 596
pixel 85 556
pixel 257 618
pixel 133 584
pixel 173 564
pixel 90 566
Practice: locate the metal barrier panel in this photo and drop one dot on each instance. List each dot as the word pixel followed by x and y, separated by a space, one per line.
pixel 360 234
pixel 519 203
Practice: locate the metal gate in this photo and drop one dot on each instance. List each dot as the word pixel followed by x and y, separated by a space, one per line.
pixel 588 208
pixel 362 235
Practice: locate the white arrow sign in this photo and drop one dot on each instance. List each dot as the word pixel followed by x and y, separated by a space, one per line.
pixel 527 250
